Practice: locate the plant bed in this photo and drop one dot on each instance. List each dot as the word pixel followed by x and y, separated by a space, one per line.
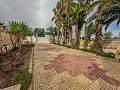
pixel 103 54
pixel 22 77
pixel 10 64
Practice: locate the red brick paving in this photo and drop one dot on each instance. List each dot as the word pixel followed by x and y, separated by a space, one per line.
pixel 77 65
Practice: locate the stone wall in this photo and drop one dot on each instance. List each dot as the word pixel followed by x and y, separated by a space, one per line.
pixel 113 43
pixel 6 39
pixel 39 39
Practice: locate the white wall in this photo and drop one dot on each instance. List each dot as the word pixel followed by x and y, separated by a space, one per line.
pixel 40 39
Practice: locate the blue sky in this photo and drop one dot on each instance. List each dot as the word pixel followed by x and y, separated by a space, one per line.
pixel 37 13
pixel 114 28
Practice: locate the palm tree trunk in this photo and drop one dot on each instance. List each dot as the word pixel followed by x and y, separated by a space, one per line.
pixel 53 39
pixel 58 31
pixel 77 35
pixel 63 42
pixel 70 35
pixel 98 38
pixel 86 40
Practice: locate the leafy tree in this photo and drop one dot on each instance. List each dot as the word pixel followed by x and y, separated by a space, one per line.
pixel 57 15
pixel 89 30
pixel 112 14
pixel 39 32
pixel 67 22
pixel 78 15
pixel 102 7
pixel 107 35
pixel 52 31
pixel 18 31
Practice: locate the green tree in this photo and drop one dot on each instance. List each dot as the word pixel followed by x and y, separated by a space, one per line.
pixel 102 7
pixel 89 30
pixel 66 20
pixel 112 14
pixel 57 15
pixel 39 32
pixel 107 35
pixel 78 15
pixel 18 31
pixel 52 31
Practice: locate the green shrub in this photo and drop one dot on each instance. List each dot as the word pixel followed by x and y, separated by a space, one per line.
pixel 29 45
pixel 103 54
pixel 68 46
pixel 24 78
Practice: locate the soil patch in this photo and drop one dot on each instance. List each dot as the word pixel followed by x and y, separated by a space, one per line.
pixel 14 60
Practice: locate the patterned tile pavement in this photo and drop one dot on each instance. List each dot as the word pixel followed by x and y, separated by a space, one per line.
pixel 59 68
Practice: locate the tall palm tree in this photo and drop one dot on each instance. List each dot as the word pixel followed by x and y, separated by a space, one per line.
pixel 57 14
pixel 89 30
pixel 102 6
pixel 78 15
pixel 67 19
pixel 112 14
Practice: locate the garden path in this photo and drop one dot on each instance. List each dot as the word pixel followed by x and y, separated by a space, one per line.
pixel 59 68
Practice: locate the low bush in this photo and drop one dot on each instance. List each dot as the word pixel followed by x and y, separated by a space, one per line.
pixel 24 78
pixel 68 46
pixel 103 54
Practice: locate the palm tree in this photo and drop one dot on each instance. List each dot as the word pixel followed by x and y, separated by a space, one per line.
pixel 57 15
pixel 52 32
pixel 78 15
pixel 89 30
pixel 18 31
pixel 102 6
pixel 66 19
pixel 112 14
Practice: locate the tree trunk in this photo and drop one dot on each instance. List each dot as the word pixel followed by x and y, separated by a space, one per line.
pixel 86 41
pixel 63 42
pixel 36 38
pixel 98 38
pixel 65 37
pixel 70 36
pixel 53 39
pixel 77 35
pixel 58 31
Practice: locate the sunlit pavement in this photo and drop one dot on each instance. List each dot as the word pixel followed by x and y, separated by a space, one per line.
pixel 59 68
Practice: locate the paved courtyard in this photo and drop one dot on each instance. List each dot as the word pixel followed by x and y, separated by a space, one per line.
pixel 59 68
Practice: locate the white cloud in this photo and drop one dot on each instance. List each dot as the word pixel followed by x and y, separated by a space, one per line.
pixel 37 13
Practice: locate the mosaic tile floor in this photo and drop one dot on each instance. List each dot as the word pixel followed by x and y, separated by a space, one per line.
pixel 59 68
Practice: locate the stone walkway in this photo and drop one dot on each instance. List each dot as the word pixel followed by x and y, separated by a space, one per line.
pixel 59 68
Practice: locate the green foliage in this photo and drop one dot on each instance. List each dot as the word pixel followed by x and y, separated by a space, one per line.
pixel 89 30
pixel 24 78
pixel 19 29
pixel 107 35
pixel 112 13
pixel 39 32
pixel 68 46
pixel 52 31
pixel 103 54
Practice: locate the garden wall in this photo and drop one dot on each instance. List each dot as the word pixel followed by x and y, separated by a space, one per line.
pixel 39 39
pixel 6 39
